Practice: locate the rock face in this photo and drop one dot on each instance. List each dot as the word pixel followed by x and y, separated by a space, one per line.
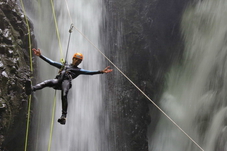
pixel 144 39
pixel 14 71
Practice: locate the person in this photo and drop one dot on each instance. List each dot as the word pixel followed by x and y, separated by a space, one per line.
pixel 62 81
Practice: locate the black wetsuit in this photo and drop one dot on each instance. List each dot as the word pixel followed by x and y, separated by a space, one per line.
pixel 63 80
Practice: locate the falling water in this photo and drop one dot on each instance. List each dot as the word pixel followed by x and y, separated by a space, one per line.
pixel 195 95
pixel 82 131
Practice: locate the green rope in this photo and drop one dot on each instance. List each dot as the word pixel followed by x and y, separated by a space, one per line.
pixel 57 31
pixel 31 68
pixel 52 122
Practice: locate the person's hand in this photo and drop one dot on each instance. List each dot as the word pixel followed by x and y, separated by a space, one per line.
pixel 107 70
pixel 37 52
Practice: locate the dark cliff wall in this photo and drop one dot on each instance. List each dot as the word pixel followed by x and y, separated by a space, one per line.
pixel 144 40
pixel 14 71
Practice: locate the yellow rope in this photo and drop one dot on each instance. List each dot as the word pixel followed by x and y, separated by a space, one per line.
pixel 28 122
pixel 52 122
pixel 29 36
pixel 136 85
pixel 57 31
pixel 31 68
pixel 37 133
pixel 62 60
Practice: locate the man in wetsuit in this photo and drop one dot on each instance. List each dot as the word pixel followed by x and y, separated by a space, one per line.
pixel 63 81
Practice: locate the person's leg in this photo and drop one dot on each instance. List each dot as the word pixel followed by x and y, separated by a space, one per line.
pixel 46 83
pixel 66 85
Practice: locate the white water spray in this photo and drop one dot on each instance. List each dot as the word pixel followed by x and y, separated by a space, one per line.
pixel 195 96
pixel 82 131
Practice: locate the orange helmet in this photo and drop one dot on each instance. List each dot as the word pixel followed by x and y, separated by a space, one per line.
pixel 78 56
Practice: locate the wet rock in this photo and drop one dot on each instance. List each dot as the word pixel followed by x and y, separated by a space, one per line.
pixel 3 48
pixel 2 105
pixel 5 74
pixel 1 64
pixel 10 53
pixel 14 70
pixel 144 39
pixel 1 141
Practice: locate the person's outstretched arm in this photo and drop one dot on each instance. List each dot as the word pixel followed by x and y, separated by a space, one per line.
pixel 37 52
pixel 88 72
pixel 107 70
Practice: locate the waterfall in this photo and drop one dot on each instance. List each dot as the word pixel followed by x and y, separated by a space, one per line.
pixel 83 130
pixel 195 94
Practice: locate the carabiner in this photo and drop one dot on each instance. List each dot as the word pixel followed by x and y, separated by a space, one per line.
pixel 71 28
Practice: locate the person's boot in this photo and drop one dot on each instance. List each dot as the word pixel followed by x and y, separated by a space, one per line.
pixel 28 87
pixel 62 119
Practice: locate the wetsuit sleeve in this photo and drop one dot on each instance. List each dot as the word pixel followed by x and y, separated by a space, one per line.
pixel 87 72
pixel 51 62
pixel 82 71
